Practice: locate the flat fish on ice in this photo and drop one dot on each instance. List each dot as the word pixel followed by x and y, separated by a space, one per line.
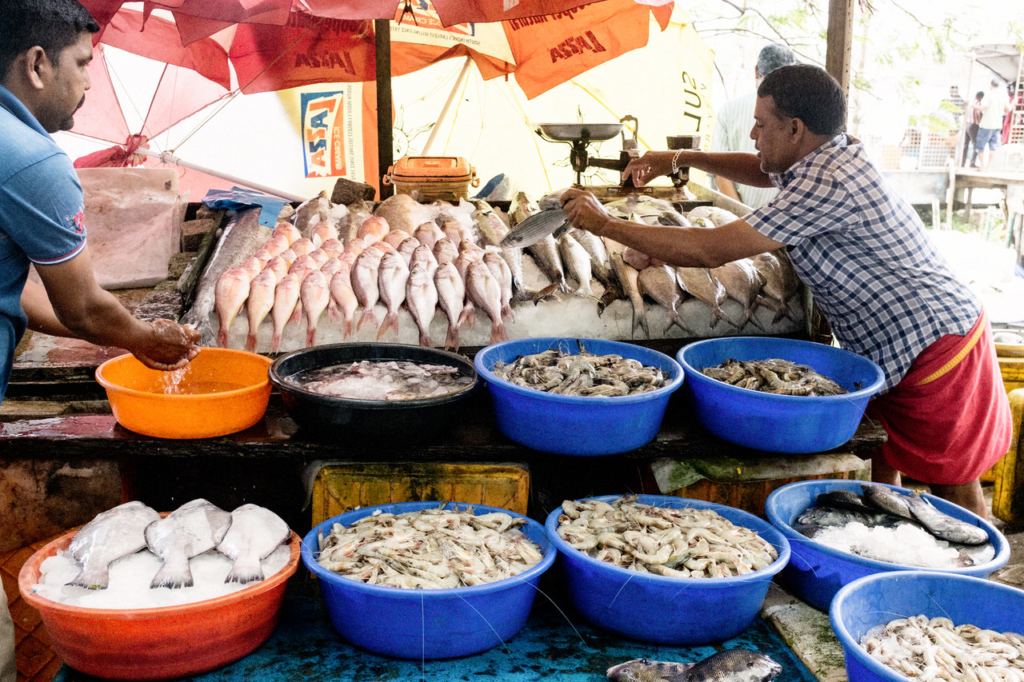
pixel 254 534
pixel 191 529
pixel 112 535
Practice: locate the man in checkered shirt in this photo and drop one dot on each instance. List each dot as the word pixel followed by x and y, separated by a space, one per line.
pixel 866 258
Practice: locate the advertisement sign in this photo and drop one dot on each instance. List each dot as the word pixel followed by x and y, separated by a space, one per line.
pixel 332 132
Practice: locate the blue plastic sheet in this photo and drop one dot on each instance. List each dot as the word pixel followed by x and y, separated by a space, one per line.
pixel 306 647
pixel 237 198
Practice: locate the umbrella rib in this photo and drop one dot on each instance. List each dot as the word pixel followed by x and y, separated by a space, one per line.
pixel 127 94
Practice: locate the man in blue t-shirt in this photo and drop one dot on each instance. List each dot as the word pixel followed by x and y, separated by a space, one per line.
pixel 45 46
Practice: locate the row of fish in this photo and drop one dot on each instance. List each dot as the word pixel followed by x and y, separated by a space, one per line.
pixel 679 543
pixel 582 374
pixel 883 506
pixel 434 548
pixel 336 258
pixel 382 380
pixel 926 649
pixel 246 536
pixel 781 377
pixel 731 665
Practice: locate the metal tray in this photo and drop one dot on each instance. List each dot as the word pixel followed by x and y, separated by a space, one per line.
pixel 571 132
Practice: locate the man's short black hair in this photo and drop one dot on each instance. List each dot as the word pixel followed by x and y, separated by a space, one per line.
pixel 51 24
pixel 808 93
pixel 980 94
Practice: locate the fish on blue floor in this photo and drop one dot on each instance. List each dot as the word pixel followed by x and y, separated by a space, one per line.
pixel 732 665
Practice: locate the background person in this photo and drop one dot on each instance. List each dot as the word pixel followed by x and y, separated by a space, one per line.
pixel 994 106
pixel 733 126
pixel 974 112
pixel 868 261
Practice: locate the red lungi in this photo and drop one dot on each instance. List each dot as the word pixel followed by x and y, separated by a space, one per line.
pixel 948 419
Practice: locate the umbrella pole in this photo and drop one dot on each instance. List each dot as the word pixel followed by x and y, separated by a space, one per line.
pixel 167 157
pixel 385 139
pixel 447 106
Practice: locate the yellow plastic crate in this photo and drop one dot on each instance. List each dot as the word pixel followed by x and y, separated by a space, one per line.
pixel 1008 494
pixel 1012 370
pixel 338 488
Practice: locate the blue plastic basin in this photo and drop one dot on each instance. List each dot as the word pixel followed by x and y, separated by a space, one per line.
pixel 816 572
pixel 661 610
pixel 572 425
pixel 881 598
pixel 420 624
pixel 779 423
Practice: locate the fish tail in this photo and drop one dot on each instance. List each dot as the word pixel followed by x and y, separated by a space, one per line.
pixel 347 331
pixel 425 340
pixel 296 315
pixel 367 316
pixel 547 292
pixel 674 319
pixel 275 342
pixel 174 573
pixel 468 315
pixel 333 312
pixel 390 321
pixel 310 336
pixel 250 342
pixel 245 571
pixel 222 337
pixel 640 314
pixel 451 340
pixel 92 578
pixel 498 332
pixel 506 312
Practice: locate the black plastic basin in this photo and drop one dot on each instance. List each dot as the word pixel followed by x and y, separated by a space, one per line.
pixel 387 420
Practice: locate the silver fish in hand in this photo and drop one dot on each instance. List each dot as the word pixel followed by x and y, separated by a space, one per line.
pixel 536 227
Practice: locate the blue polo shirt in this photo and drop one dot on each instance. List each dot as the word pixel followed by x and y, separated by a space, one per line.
pixel 41 215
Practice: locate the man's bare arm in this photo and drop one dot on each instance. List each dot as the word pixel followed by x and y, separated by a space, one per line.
pixel 728 188
pixel 90 313
pixel 39 311
pixel 739 167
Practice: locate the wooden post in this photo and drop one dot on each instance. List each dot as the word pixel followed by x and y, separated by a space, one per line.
pixel 385 139
pixel 961 147
pixel 839 42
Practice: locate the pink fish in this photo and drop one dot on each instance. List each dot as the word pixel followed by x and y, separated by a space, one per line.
pixel 484 290
pixel 330 267
pixel 303 265
pixel 279 266
pixel 393 275
pixel 499 268
pixel 286 230
pixel 381 248
pixel 302 246
pixel 429 234
pixel 333 248
pixel 229 296
pixel 275 246
pixel 289 256
pixel 396 237
pixel 355 247
pixel 343 299
pixel 373 229
pixel 445 251
pixel 421 297
pixel 315 296
pixel 286 296
pixel 260 303
pixel 423 255
pixel 322 232
pixel 451 294
pixel 253 266
pixel 406 248
pixel 364 284
pixel 320 256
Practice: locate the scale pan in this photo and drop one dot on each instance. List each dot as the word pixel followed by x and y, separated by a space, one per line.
pixel 571 132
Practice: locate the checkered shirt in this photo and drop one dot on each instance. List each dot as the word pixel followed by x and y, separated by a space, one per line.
pixel 865 256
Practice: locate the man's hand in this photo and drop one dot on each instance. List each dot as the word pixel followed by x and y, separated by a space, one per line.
pixel 585 211
pixel 649 166
pixel 170 347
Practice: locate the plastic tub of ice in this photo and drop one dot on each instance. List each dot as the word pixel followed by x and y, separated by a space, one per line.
pixel 816 572
pixel 663 610
pixel 779 423
pixel 421 624
pixel 577 425
pixel 878 599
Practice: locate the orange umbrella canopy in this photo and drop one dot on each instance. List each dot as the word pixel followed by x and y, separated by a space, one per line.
pixel 278 44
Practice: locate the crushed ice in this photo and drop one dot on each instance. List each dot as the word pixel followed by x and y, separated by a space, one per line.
pixel 906 545
pixel 130 578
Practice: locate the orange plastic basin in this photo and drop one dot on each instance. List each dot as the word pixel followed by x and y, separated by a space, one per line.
pixel 160 643
pixel 222 391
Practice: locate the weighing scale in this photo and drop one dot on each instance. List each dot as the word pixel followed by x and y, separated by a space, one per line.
pixel 580 135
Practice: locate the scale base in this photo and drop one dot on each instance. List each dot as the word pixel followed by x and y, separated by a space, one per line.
pixel 613 192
